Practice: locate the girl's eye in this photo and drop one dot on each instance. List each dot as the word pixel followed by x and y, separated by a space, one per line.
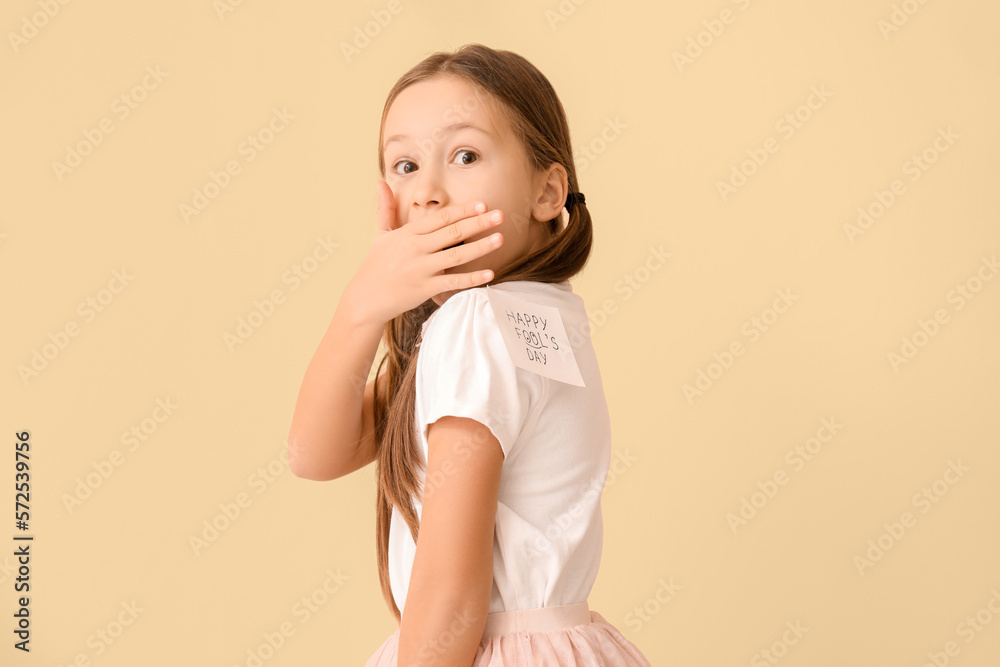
pixel 404 162
pixel 465 152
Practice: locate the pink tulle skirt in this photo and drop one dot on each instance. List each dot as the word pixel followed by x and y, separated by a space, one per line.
pixel 572 636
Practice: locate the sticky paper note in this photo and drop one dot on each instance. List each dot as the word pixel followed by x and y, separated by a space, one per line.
pixel 535 337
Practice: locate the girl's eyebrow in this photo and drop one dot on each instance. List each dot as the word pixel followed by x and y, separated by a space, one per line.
pixel 450 129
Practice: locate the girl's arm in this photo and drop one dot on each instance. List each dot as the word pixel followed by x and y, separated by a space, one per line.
pixel 332 432
pixel 448 599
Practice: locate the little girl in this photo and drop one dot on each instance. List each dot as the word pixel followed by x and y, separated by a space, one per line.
pixel 487 418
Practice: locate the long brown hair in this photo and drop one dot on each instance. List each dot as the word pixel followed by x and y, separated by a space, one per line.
pixel 514 87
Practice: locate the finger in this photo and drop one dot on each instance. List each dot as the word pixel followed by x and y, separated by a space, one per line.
pixel 475 278
pixel 463 230
pixel 467 252
pixel 456 282
pixel 385 207
pixel 449 215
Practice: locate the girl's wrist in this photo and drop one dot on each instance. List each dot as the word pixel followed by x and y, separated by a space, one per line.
pixel 354 307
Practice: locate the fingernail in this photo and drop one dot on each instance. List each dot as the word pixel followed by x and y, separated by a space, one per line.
pixel 480 207
pixel 495 217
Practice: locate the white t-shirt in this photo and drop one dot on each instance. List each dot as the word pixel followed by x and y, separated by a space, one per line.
pixel 556 439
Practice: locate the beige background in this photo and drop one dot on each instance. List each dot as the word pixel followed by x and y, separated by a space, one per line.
pixel 654 138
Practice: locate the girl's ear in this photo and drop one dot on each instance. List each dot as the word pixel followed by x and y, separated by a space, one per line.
pixel 553 188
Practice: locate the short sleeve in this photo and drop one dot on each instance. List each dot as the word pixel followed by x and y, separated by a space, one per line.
pixel 465 370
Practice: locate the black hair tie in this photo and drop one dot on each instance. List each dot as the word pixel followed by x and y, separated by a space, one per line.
pixel 573 199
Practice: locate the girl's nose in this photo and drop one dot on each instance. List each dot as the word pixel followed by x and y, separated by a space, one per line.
pixel 428 190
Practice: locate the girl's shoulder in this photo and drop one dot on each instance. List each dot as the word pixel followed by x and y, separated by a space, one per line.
pixel 466 305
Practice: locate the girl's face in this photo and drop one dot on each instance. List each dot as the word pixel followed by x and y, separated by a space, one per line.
pixel 443 146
